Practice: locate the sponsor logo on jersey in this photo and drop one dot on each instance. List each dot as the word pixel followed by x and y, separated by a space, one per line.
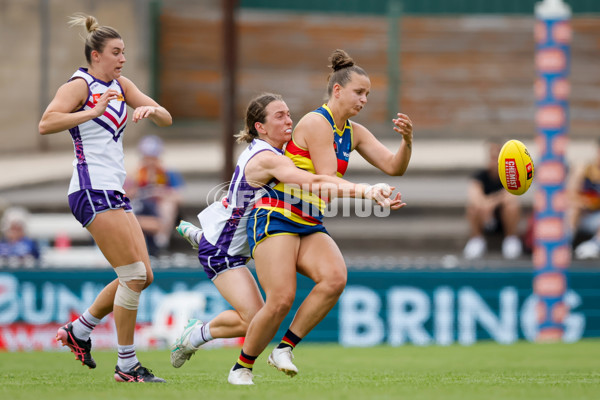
pixel 96 97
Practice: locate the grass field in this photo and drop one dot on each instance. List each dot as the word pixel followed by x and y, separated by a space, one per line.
pixel 484 371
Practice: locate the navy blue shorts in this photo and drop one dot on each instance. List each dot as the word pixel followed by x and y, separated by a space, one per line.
pixel 215 261
pixel 85 204
pixel 263 223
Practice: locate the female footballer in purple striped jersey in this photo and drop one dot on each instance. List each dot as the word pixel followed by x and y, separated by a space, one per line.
pixel 92 106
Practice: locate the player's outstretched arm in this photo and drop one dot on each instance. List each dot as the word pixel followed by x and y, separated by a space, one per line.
pixel 266 166
pixel 372 150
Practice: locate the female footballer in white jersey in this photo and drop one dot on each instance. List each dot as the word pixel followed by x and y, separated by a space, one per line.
pixel 92 105
pixel 222 245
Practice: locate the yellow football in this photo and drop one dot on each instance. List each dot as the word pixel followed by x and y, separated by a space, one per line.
pixel 515 167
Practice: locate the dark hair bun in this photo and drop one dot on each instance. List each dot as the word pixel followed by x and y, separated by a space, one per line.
pixel 340 59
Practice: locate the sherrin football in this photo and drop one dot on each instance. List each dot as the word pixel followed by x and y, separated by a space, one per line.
pixel 515 167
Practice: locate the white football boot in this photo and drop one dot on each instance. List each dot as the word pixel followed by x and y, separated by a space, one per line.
pixel 240 376
pixel 282 360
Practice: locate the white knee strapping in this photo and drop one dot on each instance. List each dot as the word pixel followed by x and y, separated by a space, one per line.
pixel 131 272
pixel 124 296
pixel 127 298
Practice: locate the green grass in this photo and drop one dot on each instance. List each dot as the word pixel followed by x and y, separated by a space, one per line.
pixel 484 371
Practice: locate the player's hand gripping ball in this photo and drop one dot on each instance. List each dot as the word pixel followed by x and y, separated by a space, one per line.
pixel 515 167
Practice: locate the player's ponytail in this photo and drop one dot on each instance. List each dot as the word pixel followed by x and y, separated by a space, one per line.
pixel 97 35
pixel 342 65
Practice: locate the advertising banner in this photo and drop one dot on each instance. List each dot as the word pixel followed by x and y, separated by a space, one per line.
pixel 433 307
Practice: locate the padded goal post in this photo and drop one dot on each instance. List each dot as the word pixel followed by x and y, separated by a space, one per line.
pixel 551 250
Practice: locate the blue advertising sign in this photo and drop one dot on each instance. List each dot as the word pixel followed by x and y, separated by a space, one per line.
pixel 433 307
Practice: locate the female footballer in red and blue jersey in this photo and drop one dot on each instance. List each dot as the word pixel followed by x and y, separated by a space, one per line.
pixel 290 210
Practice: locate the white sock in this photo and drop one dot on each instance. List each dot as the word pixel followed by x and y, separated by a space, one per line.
pixel 84 325
pixel 201 335
pixel 127 357
pixel 197 235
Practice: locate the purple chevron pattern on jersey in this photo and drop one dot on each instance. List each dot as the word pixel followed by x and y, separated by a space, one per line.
pixel 114 118
pixel 98 144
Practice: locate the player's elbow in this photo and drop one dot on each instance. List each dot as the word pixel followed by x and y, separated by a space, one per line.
pixel 168 121
pixel 396 171
pixel 165 118
pixel 393 167
pixel 43 128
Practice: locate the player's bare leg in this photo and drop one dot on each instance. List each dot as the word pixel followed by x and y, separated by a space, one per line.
pixel 276 269
pixel 240 290
pixel 120 238
pixel 320 259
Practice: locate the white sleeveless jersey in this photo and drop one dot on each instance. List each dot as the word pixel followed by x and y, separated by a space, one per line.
pixel 98 143
pixel 224 222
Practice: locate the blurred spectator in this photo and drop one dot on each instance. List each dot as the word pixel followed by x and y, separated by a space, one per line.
pixel 155 195
pixel 583 215
pixel 16 249
pixel 491 209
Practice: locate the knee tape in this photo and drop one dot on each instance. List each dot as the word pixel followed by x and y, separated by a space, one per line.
pixel 124 296
pixel 127 298
pixel 131 272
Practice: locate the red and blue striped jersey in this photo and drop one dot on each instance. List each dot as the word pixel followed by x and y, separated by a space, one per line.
pixel 299 205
